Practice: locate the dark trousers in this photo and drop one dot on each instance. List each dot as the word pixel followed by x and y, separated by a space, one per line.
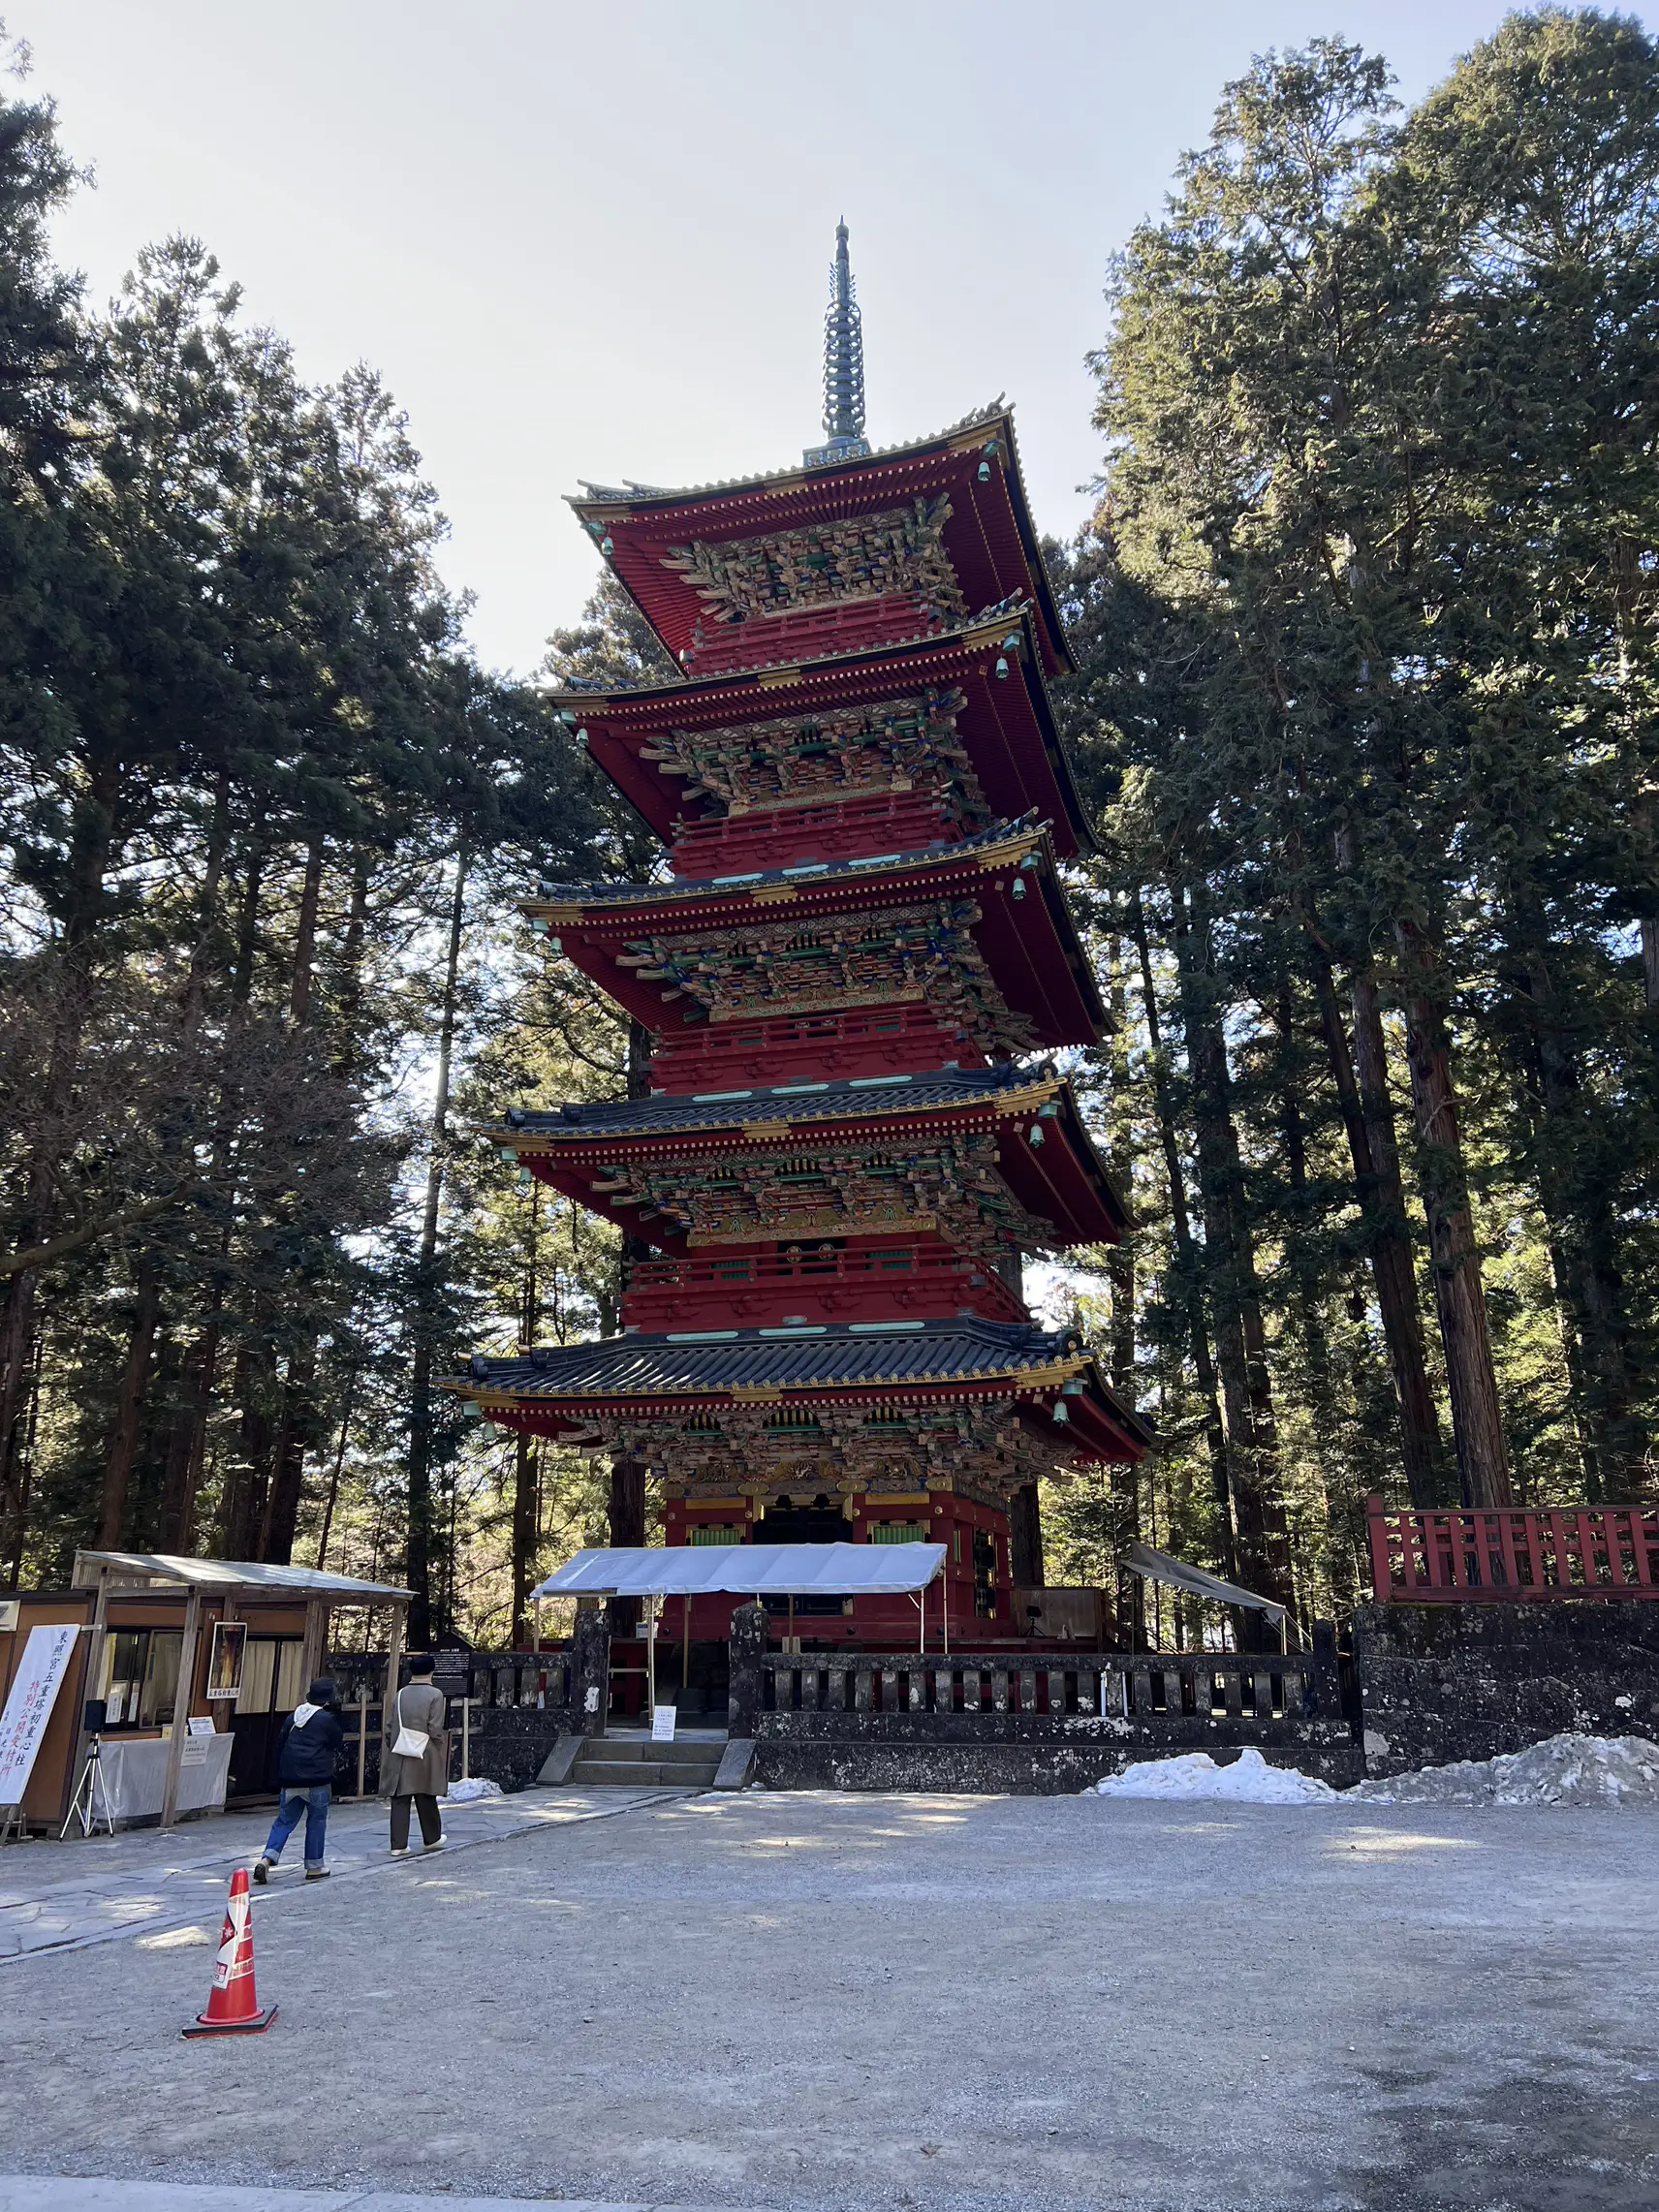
pixel 426 1805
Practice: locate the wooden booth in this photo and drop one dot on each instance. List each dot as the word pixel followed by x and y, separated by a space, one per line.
pixel 186 1670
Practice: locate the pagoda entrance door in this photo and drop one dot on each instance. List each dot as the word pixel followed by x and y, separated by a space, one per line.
pixel 785 1521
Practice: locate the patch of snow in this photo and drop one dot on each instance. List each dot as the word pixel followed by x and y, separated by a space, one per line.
pixel 1568 1769
pixel 469 1792
pixel 1248 1780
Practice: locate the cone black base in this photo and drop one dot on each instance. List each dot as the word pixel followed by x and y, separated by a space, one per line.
pixel 201 2026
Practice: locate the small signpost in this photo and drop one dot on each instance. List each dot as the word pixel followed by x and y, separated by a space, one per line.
pixel 663 1719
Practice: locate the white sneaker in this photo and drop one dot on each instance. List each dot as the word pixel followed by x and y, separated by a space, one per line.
pixel 437 1844
pixel 400 1850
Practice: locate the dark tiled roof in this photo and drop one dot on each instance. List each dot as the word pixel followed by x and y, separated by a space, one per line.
pixel 839 1100
pixel 808 873
pixel 717 1360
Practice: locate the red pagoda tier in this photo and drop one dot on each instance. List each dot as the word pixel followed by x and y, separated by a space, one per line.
pixel 861 937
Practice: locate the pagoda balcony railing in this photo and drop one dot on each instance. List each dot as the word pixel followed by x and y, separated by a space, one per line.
pixel 890 1283
pixel 1180 1697
pixel 1510 1554
pixel 833 827
pixel 865 1041
pixel 812 634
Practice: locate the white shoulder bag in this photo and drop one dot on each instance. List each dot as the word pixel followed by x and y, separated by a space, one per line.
pixel 410 1742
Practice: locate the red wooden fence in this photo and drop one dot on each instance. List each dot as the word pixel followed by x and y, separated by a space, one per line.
pixel 1505 1553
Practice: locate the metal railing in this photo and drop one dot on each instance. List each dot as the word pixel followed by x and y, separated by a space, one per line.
pixel 1512 1554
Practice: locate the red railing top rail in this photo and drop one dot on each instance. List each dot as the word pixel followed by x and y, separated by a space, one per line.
pixel 1511 1553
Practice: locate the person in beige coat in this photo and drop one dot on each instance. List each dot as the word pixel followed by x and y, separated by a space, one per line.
pixel 421 1776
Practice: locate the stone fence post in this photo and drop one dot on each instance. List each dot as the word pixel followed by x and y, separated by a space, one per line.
pixel 748 1649
pixel 1326 1673
pixel 590 1670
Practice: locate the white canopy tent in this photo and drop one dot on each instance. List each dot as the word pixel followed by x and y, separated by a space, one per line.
pixel 747 1570
pixel 752 1570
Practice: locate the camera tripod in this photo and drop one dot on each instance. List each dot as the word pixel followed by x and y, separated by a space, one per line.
pixel 91 1799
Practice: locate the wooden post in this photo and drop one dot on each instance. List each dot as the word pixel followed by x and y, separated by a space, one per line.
pixel 466 1737
pixel 362 1734
pixel 388 1699
pixel 314 1642
pixel 685 1640
pixel 182 1704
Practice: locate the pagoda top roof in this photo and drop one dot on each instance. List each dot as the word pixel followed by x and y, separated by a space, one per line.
pixel 992 540
pixel 1009 728
pixel 828 1357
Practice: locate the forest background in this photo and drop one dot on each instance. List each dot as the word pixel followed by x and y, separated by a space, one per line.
pixel 1365 716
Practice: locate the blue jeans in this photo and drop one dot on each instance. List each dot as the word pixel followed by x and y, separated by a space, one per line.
pixel 314 1804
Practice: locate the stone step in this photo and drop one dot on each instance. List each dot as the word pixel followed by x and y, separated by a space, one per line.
pixel 655 1752
pixel 639 1773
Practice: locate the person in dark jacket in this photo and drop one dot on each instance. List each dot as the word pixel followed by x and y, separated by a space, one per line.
pixel 306 1753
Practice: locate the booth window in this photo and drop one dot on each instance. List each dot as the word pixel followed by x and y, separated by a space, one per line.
pixel 144 1678
pixel 714 1532
pixel 898 1531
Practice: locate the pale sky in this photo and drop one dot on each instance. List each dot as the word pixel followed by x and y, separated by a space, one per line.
pixel 592 240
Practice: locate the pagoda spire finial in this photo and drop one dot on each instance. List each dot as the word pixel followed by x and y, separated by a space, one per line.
pixel 843 365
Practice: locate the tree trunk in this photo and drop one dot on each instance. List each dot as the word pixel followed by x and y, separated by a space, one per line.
pixel 1186 1254
pixel 1476 1420
pixel 129 1407
pixel 189 1432
pixel 1120 1164
pixel 1368 1116
pixel 426 1287
pixel 297 1432
pixel 305 937
pixel 1230 1269
pixel 1567 1164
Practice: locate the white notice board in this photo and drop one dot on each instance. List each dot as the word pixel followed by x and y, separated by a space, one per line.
pixel 29 1705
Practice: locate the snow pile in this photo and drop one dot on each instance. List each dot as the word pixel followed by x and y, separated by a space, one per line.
pixel 1248 1780
pixel 1563 1771
pixel 469 1792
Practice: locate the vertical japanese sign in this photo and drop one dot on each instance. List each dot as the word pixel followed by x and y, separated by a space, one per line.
pixel 28 1707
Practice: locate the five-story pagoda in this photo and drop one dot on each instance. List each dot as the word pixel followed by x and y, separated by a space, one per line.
pixel 851 976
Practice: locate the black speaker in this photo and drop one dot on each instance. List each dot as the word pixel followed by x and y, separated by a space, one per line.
pixel 92 1716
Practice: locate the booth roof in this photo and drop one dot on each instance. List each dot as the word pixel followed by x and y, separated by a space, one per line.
pixel 165 1569
pixel 748 1570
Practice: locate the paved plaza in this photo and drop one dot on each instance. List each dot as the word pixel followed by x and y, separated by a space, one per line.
pixel 814 2001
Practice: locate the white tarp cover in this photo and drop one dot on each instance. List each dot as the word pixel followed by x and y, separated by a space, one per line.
pixel 747 1570
pixel 1158 1567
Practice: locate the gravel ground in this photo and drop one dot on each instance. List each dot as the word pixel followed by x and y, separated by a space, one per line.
pixel 813 2000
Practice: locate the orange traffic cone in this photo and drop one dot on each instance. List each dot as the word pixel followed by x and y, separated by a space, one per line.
pixel 233 2009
